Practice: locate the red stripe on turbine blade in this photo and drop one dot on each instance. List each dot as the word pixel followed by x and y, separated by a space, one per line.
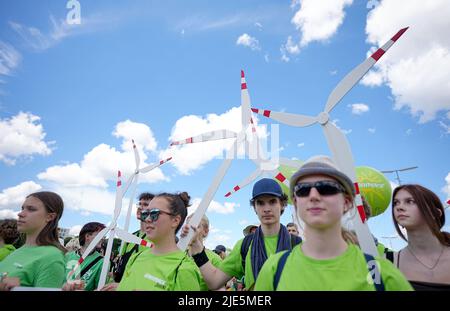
pixel 189 140
pixel 80 261
pixel 280 177
pixel 161 162
pixel 169 159
pixel 143 243
pixel 119 183
pixel 242 74
pixel 228 194
pixel 361 212
pixel 448 202
pixel 267 113
pixel 399 34
pixel 255 110
pixel 356 187
pixel 119 174
pixel 377 55
pixel 236 188
pixel 243 86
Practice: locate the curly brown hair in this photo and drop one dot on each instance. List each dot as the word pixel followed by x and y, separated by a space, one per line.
pixel 8 230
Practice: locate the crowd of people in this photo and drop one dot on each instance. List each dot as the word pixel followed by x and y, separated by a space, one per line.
pixel 269 257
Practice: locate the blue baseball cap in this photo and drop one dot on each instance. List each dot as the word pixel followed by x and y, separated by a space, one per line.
pixel 266 186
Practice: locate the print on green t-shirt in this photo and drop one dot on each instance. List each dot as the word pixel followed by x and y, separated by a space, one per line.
pixel 92 276
pixel 348 271
pixel 36 266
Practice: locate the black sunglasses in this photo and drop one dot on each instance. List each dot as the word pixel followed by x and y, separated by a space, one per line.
pixel 324 187
pixel 152 214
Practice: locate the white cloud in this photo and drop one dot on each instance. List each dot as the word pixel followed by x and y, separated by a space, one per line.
pixel 445 127
pixel 346 132
pixel 243 222
pixel 189 157
pixel 9 58
pixel 266 57
pixel 259 25
pixel 319 20
pixel 333 72
pixel 248 41
pixel 300 145
pixel 22 135
pixel 291 47
pixel 8 214
pixel 13 197
pixel 359 108
pixel 417 67
pixel 446 188
pixel 214 207
pixel 372 130
pixel 75 230
pixel 101 163
pixel 408 132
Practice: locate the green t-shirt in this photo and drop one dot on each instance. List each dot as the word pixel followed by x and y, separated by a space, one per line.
pixel 173 271
pixel 232 264
pixel 215 261
pixel 92 276
pixel 6 250
pixel 348 272
pixel 129 246
pixel 36 266
pixel 381 249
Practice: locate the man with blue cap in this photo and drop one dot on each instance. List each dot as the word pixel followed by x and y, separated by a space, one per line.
pixel 250 253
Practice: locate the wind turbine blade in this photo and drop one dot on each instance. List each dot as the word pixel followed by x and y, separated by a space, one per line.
pixel 208 136
pixel 201 209
pixel 350 80
pixel 131 238
pixel 130 208
pixel 88 250
pixel 245 182
pixel 291 163
pixel 136 155
pixel 342 155
pixel 246 113
pixel 291 119
pixel 153 166
pixel 118 200
pixel 106 259
pixel 128 183
pixel 280 177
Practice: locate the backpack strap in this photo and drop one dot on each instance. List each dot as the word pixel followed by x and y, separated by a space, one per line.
pixel 389 255
pixel 295 240
pixel 244 248
pixel 379 287
pixel 90 265
pixel 280 267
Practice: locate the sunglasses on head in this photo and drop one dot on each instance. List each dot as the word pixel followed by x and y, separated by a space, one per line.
pixel 324 187
pixel 152 214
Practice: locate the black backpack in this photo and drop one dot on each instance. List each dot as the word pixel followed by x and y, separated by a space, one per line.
pixel 248 240
pixel 119 269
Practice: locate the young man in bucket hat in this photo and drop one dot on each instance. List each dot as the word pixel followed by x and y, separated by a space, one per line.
pixel 268 202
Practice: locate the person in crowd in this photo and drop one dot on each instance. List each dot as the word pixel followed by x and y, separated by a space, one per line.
pixel 221 251
pixel 164 266
pixel 90 269
pixel 292 228
pixel 8 235
pixel 130 248
pixel 249 230
pixel 322 194
pixel 250 253
pixel 425 261
pixel 40 261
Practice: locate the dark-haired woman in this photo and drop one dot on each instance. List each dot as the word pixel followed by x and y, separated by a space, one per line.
pixel 90 269
pixel 164 266
pixel 425 261
pixel 40 261
pixel 8 235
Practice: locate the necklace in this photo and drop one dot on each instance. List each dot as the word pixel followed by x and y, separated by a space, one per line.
pixel 429 268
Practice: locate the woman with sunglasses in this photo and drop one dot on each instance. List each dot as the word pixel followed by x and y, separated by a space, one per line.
pixel 325 261
pixel 40 261
pixel 164 266
pixel 425 261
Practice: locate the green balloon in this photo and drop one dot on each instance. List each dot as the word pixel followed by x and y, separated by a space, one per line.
pixel 375 187
pixel 287 172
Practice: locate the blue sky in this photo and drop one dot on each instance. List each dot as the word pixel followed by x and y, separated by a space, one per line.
pixel 73 96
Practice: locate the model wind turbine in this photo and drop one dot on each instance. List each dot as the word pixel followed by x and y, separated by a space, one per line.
pixel 400 170
pixel 113 231
pixel 336 140
pixel 132 182
pixel 239 139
